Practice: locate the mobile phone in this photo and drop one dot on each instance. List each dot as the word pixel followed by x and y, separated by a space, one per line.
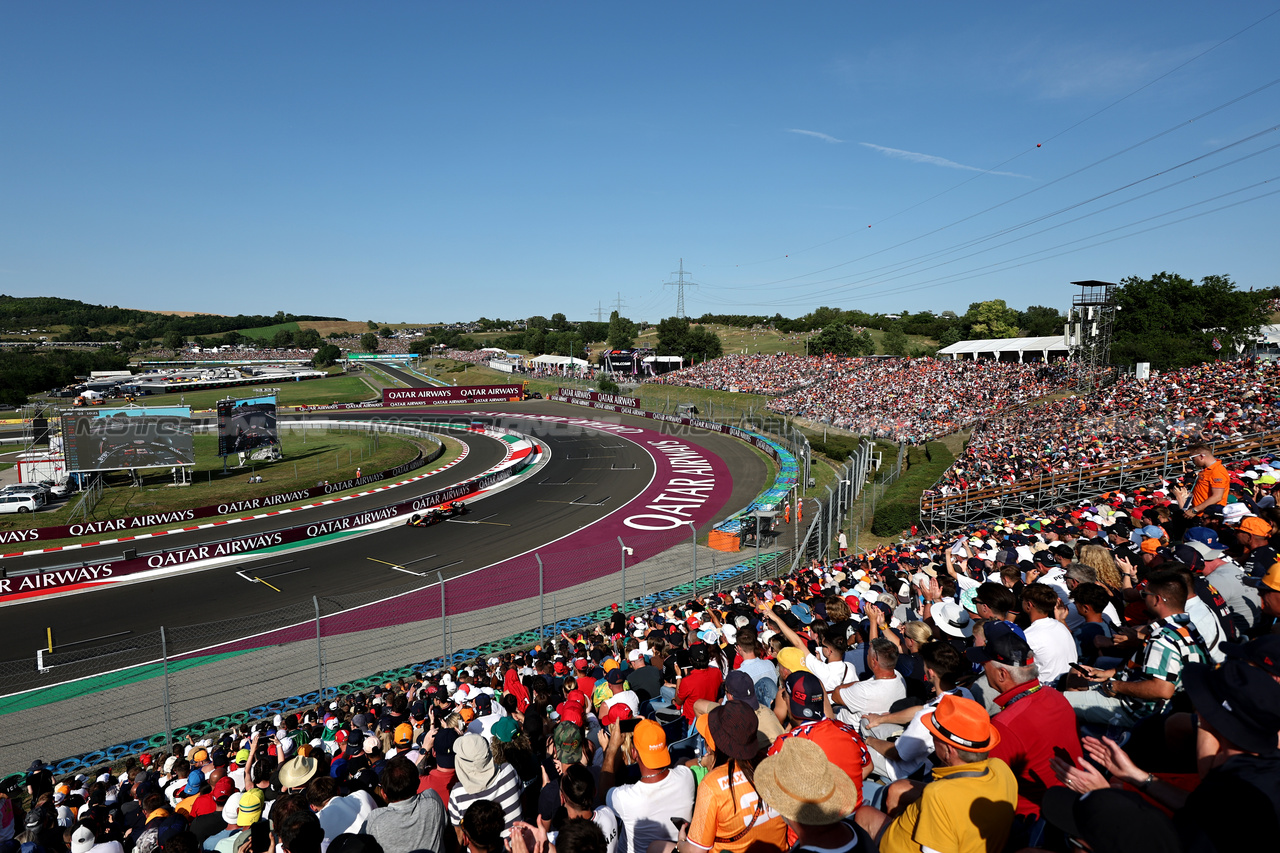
pixel 628 725
pixel 1080 669
pixel 259 837
pixel 679 823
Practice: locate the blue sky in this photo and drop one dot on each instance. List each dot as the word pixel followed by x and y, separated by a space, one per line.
pixel 442 161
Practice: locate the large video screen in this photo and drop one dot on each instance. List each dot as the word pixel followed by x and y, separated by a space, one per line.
pixel 244 425
pixel 116 439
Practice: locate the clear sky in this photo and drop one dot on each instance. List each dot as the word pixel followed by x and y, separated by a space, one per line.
pixel 426 161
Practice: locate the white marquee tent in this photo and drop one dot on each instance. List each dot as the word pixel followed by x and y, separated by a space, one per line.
pixel 1009 349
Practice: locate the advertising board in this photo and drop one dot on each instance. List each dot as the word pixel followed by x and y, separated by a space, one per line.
pixel 132 437
pixel 246 424
pixel 458 394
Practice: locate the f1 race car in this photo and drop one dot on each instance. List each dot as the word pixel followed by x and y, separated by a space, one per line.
pixel 437 514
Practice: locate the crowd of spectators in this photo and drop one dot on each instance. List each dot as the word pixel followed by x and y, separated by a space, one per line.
pixel 1104 676
pixel 917 400
pixel 1122 421
pixel 237 354
pixel 911 400
pixel 773 375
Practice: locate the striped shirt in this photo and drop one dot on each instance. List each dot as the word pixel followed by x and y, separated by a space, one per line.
pixel 503 790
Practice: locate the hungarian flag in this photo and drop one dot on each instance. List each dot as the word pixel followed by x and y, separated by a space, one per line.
pixel 1217 344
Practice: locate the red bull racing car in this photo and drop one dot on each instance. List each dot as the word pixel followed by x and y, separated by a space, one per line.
pixel 437 514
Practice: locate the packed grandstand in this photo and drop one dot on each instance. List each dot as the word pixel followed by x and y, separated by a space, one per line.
pixel 1102 676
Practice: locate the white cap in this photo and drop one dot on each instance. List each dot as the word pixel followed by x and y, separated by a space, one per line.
pixel 82 840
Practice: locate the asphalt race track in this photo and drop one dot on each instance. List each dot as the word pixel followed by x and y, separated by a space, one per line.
pixel 531 513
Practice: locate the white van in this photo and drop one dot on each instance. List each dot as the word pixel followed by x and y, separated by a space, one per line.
pixel 10 502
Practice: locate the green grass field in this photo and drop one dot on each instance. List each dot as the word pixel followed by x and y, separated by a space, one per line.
pixel 264 332
pixel 322 455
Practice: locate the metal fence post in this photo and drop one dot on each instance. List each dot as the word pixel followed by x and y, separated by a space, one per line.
pixel 444 619
pixel 319 649
pixel 623 601
pixel 542 603
pixel 693 540
pixel 168 712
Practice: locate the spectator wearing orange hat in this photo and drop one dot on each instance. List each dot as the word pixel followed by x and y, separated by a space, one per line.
pixel 974 810
pixel 1269 591
pixel 663 789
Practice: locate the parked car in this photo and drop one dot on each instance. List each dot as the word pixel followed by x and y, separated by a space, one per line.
pixel 10 502
pixel 39 494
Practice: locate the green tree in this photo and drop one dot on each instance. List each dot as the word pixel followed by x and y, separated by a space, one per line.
pixel 282 339
pixel 326 354
pixel 385 332
pixel 606 385
pixel 836 339
pixel 174 340
pixel 622 332
pixel 1039 321
pixel 672 333
pixel 537 321
pixel 372 325
pixel 535 341
pixel 1171 321
pixel 559 322
pixel 369 342
pixel 702 344
pixel 864 344
pixel 306 338
pixel 991 319
pixel 895 340
pixel 952 334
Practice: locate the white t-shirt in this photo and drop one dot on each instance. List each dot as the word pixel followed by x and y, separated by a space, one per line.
pixel 646 809
pixel 610 826
pixel 1053 646
pixel 873 696
pixel 1206 622
pixel 915 744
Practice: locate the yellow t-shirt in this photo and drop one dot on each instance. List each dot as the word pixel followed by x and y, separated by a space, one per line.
pixel 719 816
pixel 958 813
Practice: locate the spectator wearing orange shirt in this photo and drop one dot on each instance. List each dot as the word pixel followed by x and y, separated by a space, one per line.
pixel 1212 484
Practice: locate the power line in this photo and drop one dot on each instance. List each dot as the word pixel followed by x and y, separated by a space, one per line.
pixel 1017 156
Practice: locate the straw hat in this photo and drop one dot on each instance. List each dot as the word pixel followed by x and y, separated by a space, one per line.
pixel 801 784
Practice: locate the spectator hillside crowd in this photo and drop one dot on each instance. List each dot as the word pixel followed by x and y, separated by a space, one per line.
pixel 912 400
pixel 1100 677
pixel 1122 421
pixel 773 375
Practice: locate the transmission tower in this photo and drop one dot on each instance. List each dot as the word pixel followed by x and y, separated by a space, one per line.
pixel 599 312
pixel 1089 327
pixel 618 304
pixel 680 284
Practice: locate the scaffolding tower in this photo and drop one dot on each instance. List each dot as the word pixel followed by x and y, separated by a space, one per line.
pixel 1090 323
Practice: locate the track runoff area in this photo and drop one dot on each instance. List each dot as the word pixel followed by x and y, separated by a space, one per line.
pixel 598 475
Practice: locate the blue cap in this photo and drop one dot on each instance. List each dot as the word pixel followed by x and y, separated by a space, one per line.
pixel 802 612
pixel 1151 532
pixel 194 781
pixel 1205 535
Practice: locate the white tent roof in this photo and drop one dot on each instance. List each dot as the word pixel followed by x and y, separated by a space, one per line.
pixel 665 359
pixel 1052 343
pixel 559 359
